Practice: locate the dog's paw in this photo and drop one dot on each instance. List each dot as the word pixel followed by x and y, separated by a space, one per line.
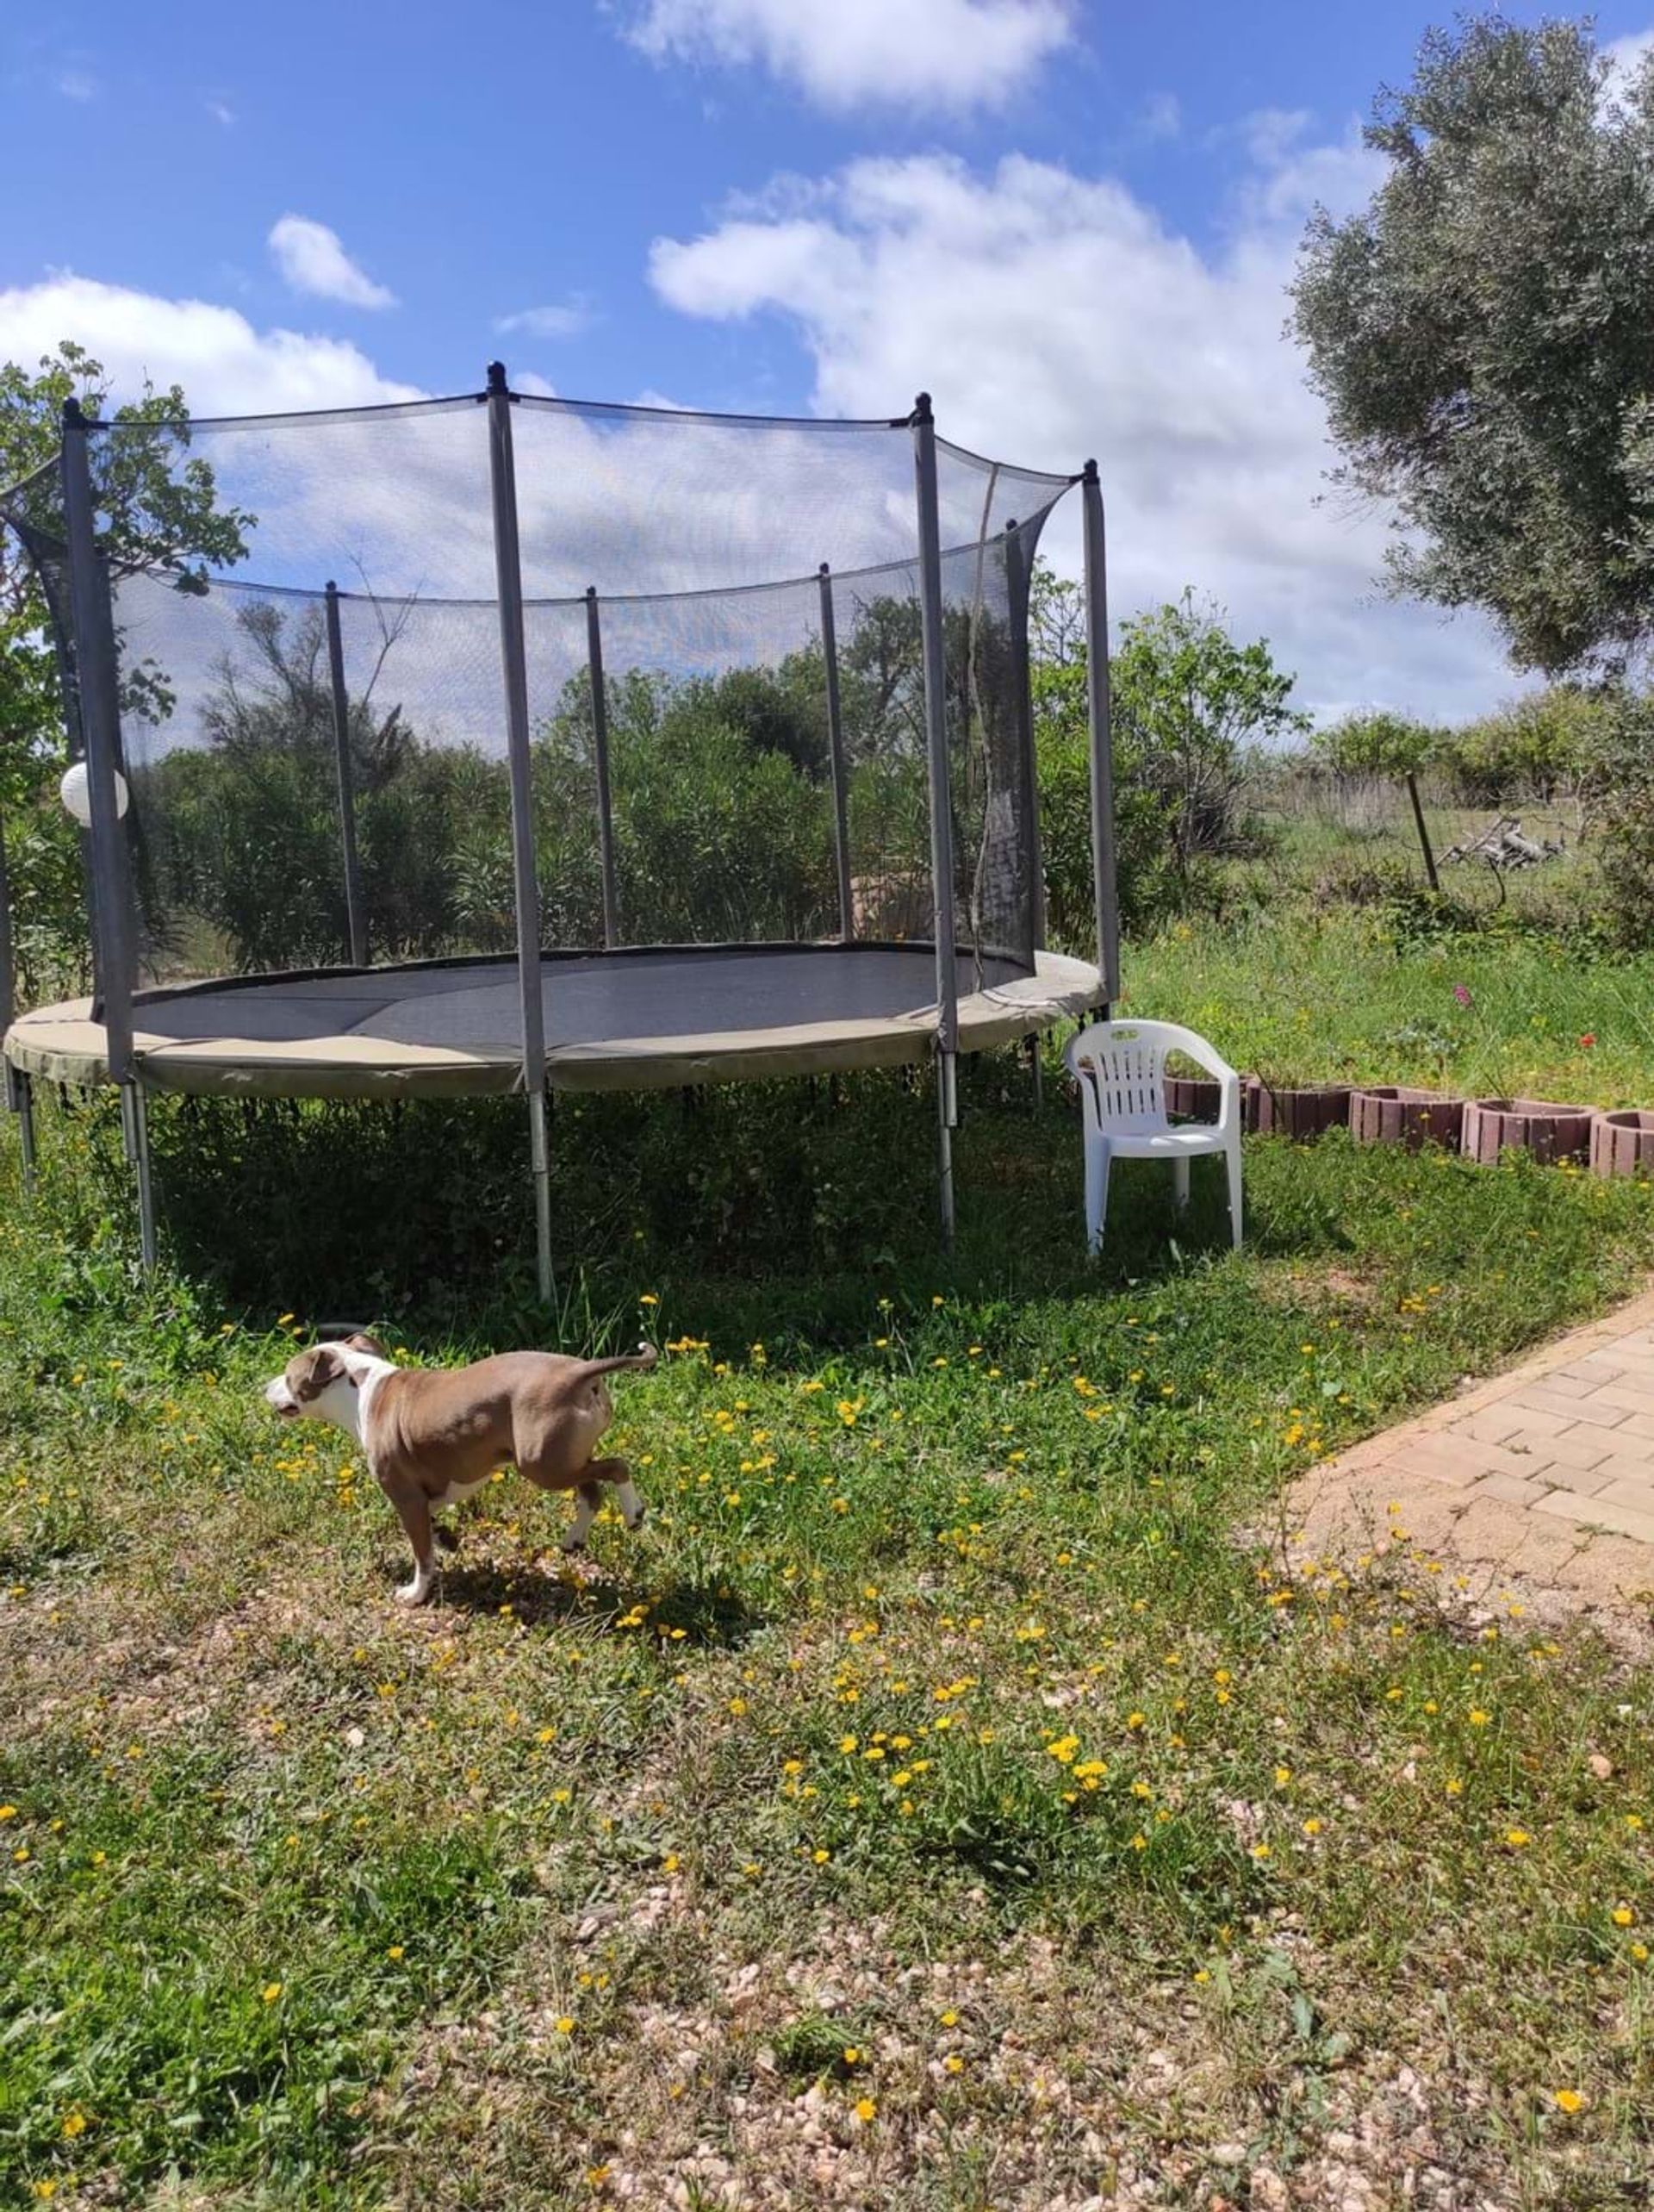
pixel 573 1547
pixel 635 1520
pixel 416 1592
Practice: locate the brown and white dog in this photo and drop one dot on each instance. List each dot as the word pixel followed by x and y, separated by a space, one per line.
pixel 433 1435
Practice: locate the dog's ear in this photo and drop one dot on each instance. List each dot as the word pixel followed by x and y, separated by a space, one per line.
pixel 363 1343
pixel 317 1369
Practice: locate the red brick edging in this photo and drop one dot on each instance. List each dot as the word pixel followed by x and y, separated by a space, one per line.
pixel 1549 1132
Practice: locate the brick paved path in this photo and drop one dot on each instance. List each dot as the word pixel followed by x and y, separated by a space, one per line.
pixel 1547 1472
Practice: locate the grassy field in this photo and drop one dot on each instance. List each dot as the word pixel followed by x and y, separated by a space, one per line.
pixel 942 1802
pixel 1333 998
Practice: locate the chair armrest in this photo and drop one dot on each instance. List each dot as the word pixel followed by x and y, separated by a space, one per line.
pixel 1228 1104
pixel 1207 1057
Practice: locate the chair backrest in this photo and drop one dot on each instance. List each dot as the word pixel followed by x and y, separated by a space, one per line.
pixel 1121 1064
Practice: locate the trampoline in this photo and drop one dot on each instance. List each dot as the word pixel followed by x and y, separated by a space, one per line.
pixel 481 824
pixel 648 1020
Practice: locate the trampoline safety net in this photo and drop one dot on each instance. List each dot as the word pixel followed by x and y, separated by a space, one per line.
pixel 322 776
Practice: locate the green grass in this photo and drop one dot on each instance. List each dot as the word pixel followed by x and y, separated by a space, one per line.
pixel 942 1752
pixel 1334 997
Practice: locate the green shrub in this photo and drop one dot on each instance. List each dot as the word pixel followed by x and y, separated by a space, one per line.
pixel 1375 742
pixel 1620 780
pixel 1530 750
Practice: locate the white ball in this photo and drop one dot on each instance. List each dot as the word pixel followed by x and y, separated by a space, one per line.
pixel 75 792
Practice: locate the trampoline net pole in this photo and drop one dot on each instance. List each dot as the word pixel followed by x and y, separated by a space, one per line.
pixel 1018 584
pixel 97 693
pixel 22 1094
pixel 14 1084
pixel 355 929
pixel 942 839
pixel 601 762
pixel 134 1123
pixel 1104 881
pixel 508 572
pixel 835 757
pixel 8 984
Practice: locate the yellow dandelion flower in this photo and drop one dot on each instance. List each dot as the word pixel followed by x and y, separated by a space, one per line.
pixel 565 2026
pixel 1622 1916
pixel 1517 1838
pixel 74 2124
pixel 1568 2100
pixel 866 2109
pixel 953 2063
pixel 949 2019
pixel 273 1991
pixel 395 1951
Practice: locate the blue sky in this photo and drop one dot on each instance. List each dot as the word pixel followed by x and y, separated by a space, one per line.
pixel 1070 219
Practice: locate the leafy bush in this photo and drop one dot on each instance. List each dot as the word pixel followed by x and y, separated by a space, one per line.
pixel 1530 750
pixel 1375 743
pixel 1621 789
pixel 51 933
pixel 1189 707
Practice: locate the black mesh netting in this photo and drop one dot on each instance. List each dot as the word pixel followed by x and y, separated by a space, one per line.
pixel 220 537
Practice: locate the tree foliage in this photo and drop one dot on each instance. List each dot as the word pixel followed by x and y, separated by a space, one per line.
pixel 1194 701
pixel 158 510
pixel 1190 708
pixel 1375 742
pixel 1482 331
pixel 1543 743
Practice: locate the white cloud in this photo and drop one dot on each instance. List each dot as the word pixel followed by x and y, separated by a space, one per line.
pixel 221 111
pixel 947 54
pixel 1625 57
pixel 1054 315
pixel 224 364
pixel 566 319
pixel 1292 172
pixel 76 84
pixel 313 260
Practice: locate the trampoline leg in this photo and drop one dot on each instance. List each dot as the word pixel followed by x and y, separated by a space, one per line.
pixel 540 1156
pixel 947 1121
pixel 22 1094
pixel 134 1122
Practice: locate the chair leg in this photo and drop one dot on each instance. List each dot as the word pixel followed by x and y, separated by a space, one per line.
pixel 1097 1192
pixel 1232 1163
pixel 1180 1182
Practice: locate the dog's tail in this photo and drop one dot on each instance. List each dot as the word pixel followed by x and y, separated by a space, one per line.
pixel 644 1358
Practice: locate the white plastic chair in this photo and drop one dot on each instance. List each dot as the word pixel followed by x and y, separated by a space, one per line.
pixel 1120 1067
